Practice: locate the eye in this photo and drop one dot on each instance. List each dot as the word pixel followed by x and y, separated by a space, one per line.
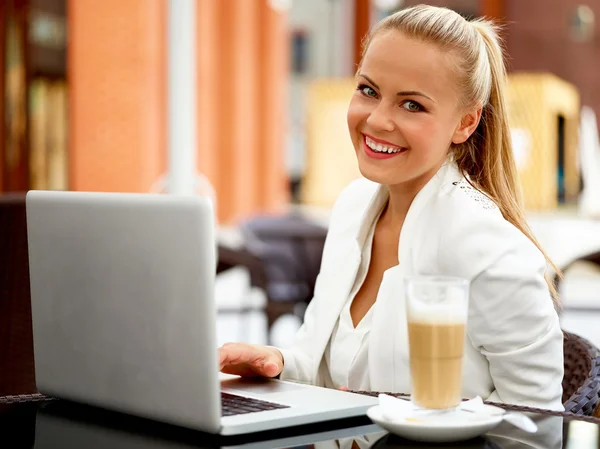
pixel 412 106
pixel 367 91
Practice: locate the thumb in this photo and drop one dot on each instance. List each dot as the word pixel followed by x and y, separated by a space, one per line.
pixel 270 368
pixel 271 364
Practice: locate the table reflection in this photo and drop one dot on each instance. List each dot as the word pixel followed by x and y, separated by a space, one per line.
pixel 54 432
pixel 102 430
pixel 553 433
pixel 548 436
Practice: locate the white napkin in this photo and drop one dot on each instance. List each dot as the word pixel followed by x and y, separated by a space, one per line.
pixel 396 409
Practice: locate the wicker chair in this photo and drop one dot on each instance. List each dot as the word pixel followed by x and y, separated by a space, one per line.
pixel 581 382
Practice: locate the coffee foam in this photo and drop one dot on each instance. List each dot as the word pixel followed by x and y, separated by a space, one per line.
pixel 452 311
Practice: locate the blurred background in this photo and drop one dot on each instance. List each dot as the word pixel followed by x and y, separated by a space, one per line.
pixel 245 101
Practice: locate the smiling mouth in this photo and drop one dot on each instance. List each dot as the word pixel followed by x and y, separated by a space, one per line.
pixel 377 147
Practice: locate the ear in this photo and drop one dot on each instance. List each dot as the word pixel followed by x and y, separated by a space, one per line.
pixel 467 126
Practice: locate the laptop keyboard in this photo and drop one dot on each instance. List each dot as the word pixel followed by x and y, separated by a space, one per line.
pixel 239 405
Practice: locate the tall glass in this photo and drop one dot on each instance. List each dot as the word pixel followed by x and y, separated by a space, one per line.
pixel 436 308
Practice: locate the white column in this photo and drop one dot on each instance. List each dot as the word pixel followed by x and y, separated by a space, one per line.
pixel 343 38
pixel 181 96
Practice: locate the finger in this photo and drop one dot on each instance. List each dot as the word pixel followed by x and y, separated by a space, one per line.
pixel 265 365
pixel 222 357
pixel 262 365
pixel 344 389
pixel 228 350
pixel 241 354
pixel 230 355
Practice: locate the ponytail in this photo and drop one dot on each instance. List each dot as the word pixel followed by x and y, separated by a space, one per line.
pixel 493 170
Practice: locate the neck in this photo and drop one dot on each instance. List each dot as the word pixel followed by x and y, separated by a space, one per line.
pixel 401 197
pixel 399 201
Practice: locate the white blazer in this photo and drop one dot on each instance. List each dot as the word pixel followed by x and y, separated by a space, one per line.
pixel 514 349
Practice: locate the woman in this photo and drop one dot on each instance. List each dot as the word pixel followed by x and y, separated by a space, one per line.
pixel 440 196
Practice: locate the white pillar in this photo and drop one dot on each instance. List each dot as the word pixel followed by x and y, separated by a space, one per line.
pixel 181 96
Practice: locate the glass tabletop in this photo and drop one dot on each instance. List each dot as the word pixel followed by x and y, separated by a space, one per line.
pixel 59 424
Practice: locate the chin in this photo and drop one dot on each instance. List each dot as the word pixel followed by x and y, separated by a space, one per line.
pixel 377 176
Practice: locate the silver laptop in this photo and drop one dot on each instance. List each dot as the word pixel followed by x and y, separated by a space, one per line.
pixel 124 316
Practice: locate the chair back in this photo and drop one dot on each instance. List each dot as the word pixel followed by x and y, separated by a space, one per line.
pixel 581 381
pixel 17 372
pixel 290 247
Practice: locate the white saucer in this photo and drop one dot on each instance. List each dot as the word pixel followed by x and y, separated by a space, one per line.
pixel 448 427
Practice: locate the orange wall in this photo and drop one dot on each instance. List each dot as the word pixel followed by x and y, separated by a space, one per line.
pixel 242 82
pixel 117 76
pixel 116 73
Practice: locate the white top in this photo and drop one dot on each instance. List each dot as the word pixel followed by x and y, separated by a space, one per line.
pixel 348 348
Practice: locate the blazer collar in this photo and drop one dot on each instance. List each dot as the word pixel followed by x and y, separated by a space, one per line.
pixel 370 214
pixel 447 173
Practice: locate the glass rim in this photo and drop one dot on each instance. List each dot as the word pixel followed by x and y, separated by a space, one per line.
pixel 436 280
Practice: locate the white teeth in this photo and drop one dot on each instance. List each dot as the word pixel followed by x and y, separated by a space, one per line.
pixel 381 148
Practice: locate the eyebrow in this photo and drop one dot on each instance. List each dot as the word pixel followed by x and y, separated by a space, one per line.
pixel 405 93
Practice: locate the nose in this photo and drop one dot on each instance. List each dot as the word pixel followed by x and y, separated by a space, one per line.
pixel 381 119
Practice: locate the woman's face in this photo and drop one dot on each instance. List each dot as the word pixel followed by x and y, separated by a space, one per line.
pixel 405 111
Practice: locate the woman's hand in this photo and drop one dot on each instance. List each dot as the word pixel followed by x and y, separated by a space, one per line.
pixel 247 360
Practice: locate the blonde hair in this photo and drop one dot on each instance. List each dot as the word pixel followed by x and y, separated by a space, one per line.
pixel 487 156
